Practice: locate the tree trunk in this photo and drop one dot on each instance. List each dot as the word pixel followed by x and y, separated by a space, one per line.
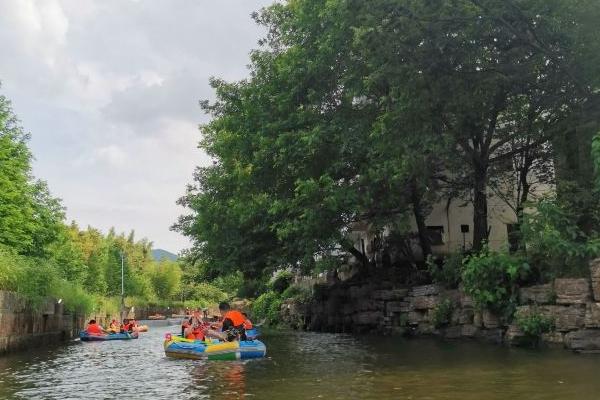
pixel 359 256
pixel 420 219
pixel 480 208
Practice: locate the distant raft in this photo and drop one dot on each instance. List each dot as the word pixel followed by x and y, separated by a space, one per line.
pixel 178 347
pixel 86 337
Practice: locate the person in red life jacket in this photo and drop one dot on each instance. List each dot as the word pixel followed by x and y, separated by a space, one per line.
pixel 126 327
pixel 247 322
pixel 233 323
pixel 94 328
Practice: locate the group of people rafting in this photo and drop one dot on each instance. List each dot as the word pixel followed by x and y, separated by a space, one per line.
pixel 232 325
pixel 128 325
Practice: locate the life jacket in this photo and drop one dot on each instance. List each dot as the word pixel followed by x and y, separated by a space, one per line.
pixel 198 333
pixel 127 327
pixel 247 324
pixel 236 318
pixel 94 329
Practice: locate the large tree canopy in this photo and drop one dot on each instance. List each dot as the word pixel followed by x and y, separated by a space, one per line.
pixel 369 111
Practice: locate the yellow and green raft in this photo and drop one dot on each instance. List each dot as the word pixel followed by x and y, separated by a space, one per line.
pixel 178 347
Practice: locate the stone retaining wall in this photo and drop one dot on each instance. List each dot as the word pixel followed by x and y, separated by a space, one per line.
pixel 22 328
pixel 572 304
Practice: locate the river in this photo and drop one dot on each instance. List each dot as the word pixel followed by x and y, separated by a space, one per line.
pixel 302 366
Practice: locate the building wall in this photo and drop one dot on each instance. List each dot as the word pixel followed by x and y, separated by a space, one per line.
pixel 451 216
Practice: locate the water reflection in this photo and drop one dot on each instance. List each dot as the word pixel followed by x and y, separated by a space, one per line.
pixel 225 380
pixel 303 366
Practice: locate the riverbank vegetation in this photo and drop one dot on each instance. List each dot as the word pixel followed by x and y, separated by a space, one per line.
pixel 371 112
pixel 41 255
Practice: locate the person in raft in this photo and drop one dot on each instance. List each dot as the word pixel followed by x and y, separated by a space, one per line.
pixel 247 323
pixel 195 327
pixel 114 327
pixel 94 328
pixel 127 326
pixel 232 327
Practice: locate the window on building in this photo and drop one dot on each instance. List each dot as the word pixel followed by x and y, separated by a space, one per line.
pixel 436 235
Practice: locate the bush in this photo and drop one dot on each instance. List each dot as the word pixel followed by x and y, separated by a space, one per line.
pixel 442 313
pixel 449 273
pixel 300 294
pixel 267 306
pixel 230 284
pixel 533 325
pixel 555 244
pixel 74 297
pixel 32 278
pixel 491 279
pixel 282 281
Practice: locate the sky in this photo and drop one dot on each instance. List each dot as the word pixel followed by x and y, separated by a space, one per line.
pixel 109 91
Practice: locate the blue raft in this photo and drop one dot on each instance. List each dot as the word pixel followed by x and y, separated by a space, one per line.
pixel 86 337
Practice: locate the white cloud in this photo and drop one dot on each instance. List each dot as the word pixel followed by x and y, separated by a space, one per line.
pixel 110 90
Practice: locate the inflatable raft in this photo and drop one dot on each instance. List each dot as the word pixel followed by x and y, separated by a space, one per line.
pixel 178 347
pixel 252 334
pixel 86 337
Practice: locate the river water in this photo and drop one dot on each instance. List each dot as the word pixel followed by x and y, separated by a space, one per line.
pixel 302 366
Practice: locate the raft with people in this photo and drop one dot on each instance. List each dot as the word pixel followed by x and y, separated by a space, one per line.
pixel 96 333
pixel 178 347
pixel 85 336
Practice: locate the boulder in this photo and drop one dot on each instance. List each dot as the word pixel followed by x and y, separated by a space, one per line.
pixel 592 315
pixel 584 341
pixel 426 328
pixel 490 320
pixel 595 273
pixel 465 316
pixel 553 337
pixel 540 294
pixel 452 332
pixel 370 305
pixel 453 295
pixel 415 317
pixel 367 318
pixel 423 302
pixel 469 331
pixel 389 295
pixel 566 318
pixel 477 319
pixel 572 291
pixel 465 299
pixel 359 292
pixel 491 335
pixel 392 307
pixel 425 290
pixel 515 336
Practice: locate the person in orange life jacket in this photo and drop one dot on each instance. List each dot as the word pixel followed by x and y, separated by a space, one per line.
pixel 247 322
pixel 233 322
pixel 195 329
pixel 94 328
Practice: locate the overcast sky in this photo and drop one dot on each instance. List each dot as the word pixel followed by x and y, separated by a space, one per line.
pixel 109 91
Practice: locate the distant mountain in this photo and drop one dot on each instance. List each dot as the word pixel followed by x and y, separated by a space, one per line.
pixel 160 255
